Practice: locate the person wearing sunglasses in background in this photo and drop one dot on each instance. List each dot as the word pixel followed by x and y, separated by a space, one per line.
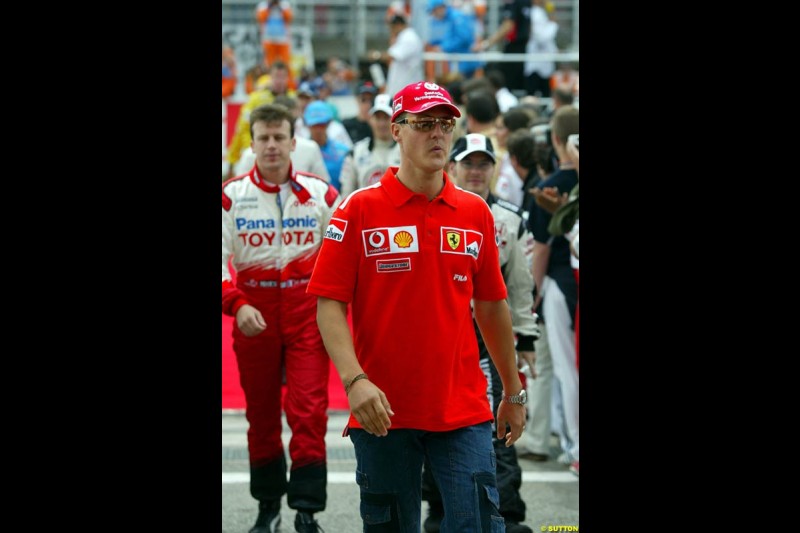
pixel 411 370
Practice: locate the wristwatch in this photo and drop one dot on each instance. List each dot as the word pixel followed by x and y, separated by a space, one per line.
pixel 519 399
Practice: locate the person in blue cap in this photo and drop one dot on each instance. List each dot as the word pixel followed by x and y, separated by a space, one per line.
pixel 317 116
pixel 453 32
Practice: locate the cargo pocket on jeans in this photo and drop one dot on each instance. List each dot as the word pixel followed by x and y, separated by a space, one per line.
pixel 489 502
pixel 498 524
pixel 376 508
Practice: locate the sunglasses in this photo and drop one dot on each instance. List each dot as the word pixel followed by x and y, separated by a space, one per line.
pixel 447 124
pixel 483 165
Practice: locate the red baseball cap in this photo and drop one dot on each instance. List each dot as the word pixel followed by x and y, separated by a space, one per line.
pixel 421 96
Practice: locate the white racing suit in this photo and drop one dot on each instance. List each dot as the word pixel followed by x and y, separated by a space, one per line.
pixel 273 247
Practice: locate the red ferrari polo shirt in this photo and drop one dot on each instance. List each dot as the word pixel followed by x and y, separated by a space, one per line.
pixel 410 268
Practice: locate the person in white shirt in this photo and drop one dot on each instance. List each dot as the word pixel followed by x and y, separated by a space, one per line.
pixel 405 55
pixel 542 40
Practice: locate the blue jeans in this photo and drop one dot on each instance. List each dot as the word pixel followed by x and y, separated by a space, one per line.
pixel 389 475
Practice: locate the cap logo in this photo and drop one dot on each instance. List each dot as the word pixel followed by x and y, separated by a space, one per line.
pixel 431 94
pixel 420 96
pixel 475 140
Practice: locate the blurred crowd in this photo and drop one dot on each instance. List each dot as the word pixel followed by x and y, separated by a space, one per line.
pixel 528 112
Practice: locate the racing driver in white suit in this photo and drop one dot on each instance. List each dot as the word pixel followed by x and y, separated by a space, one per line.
pixel 273 220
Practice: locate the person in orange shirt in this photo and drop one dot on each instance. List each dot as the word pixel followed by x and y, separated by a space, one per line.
pixel 228 71
pixel 274 18
pixel 565 78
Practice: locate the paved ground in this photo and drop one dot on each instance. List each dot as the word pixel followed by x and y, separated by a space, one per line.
pixel 549 489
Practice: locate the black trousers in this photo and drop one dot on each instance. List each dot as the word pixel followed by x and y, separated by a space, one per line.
pixel 535 83
pixel 512 71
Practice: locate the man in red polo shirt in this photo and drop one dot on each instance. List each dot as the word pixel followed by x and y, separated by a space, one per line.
pixel 413 255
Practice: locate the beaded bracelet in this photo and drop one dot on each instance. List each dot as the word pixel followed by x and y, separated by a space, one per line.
pixel 350 383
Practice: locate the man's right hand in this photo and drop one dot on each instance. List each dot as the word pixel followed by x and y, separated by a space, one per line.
pixel 370 407
pixel 250 321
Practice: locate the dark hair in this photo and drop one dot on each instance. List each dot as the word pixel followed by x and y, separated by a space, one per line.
pixel 517 118
pixel 456 89
pixel 272 113
pixel 496 78
pixel 398 19
pixel 520 144
pixel 544 157
pixel 482 106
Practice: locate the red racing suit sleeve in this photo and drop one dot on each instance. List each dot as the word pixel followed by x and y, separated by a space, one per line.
pixel 232 298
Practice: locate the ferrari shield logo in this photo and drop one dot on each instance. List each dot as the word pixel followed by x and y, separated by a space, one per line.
pixel 453 239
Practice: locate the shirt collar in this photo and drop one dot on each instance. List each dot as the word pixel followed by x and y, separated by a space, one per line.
pixel 399 194
pixel 302 194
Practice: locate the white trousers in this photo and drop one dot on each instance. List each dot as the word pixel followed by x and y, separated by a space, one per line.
pixel 561 339
pixel 537 427
pixel 559 425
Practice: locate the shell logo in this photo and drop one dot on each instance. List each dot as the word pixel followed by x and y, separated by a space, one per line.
pixel 403 239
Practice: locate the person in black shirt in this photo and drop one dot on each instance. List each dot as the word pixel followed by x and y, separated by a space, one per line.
pixel 514 30
pixel 358 126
